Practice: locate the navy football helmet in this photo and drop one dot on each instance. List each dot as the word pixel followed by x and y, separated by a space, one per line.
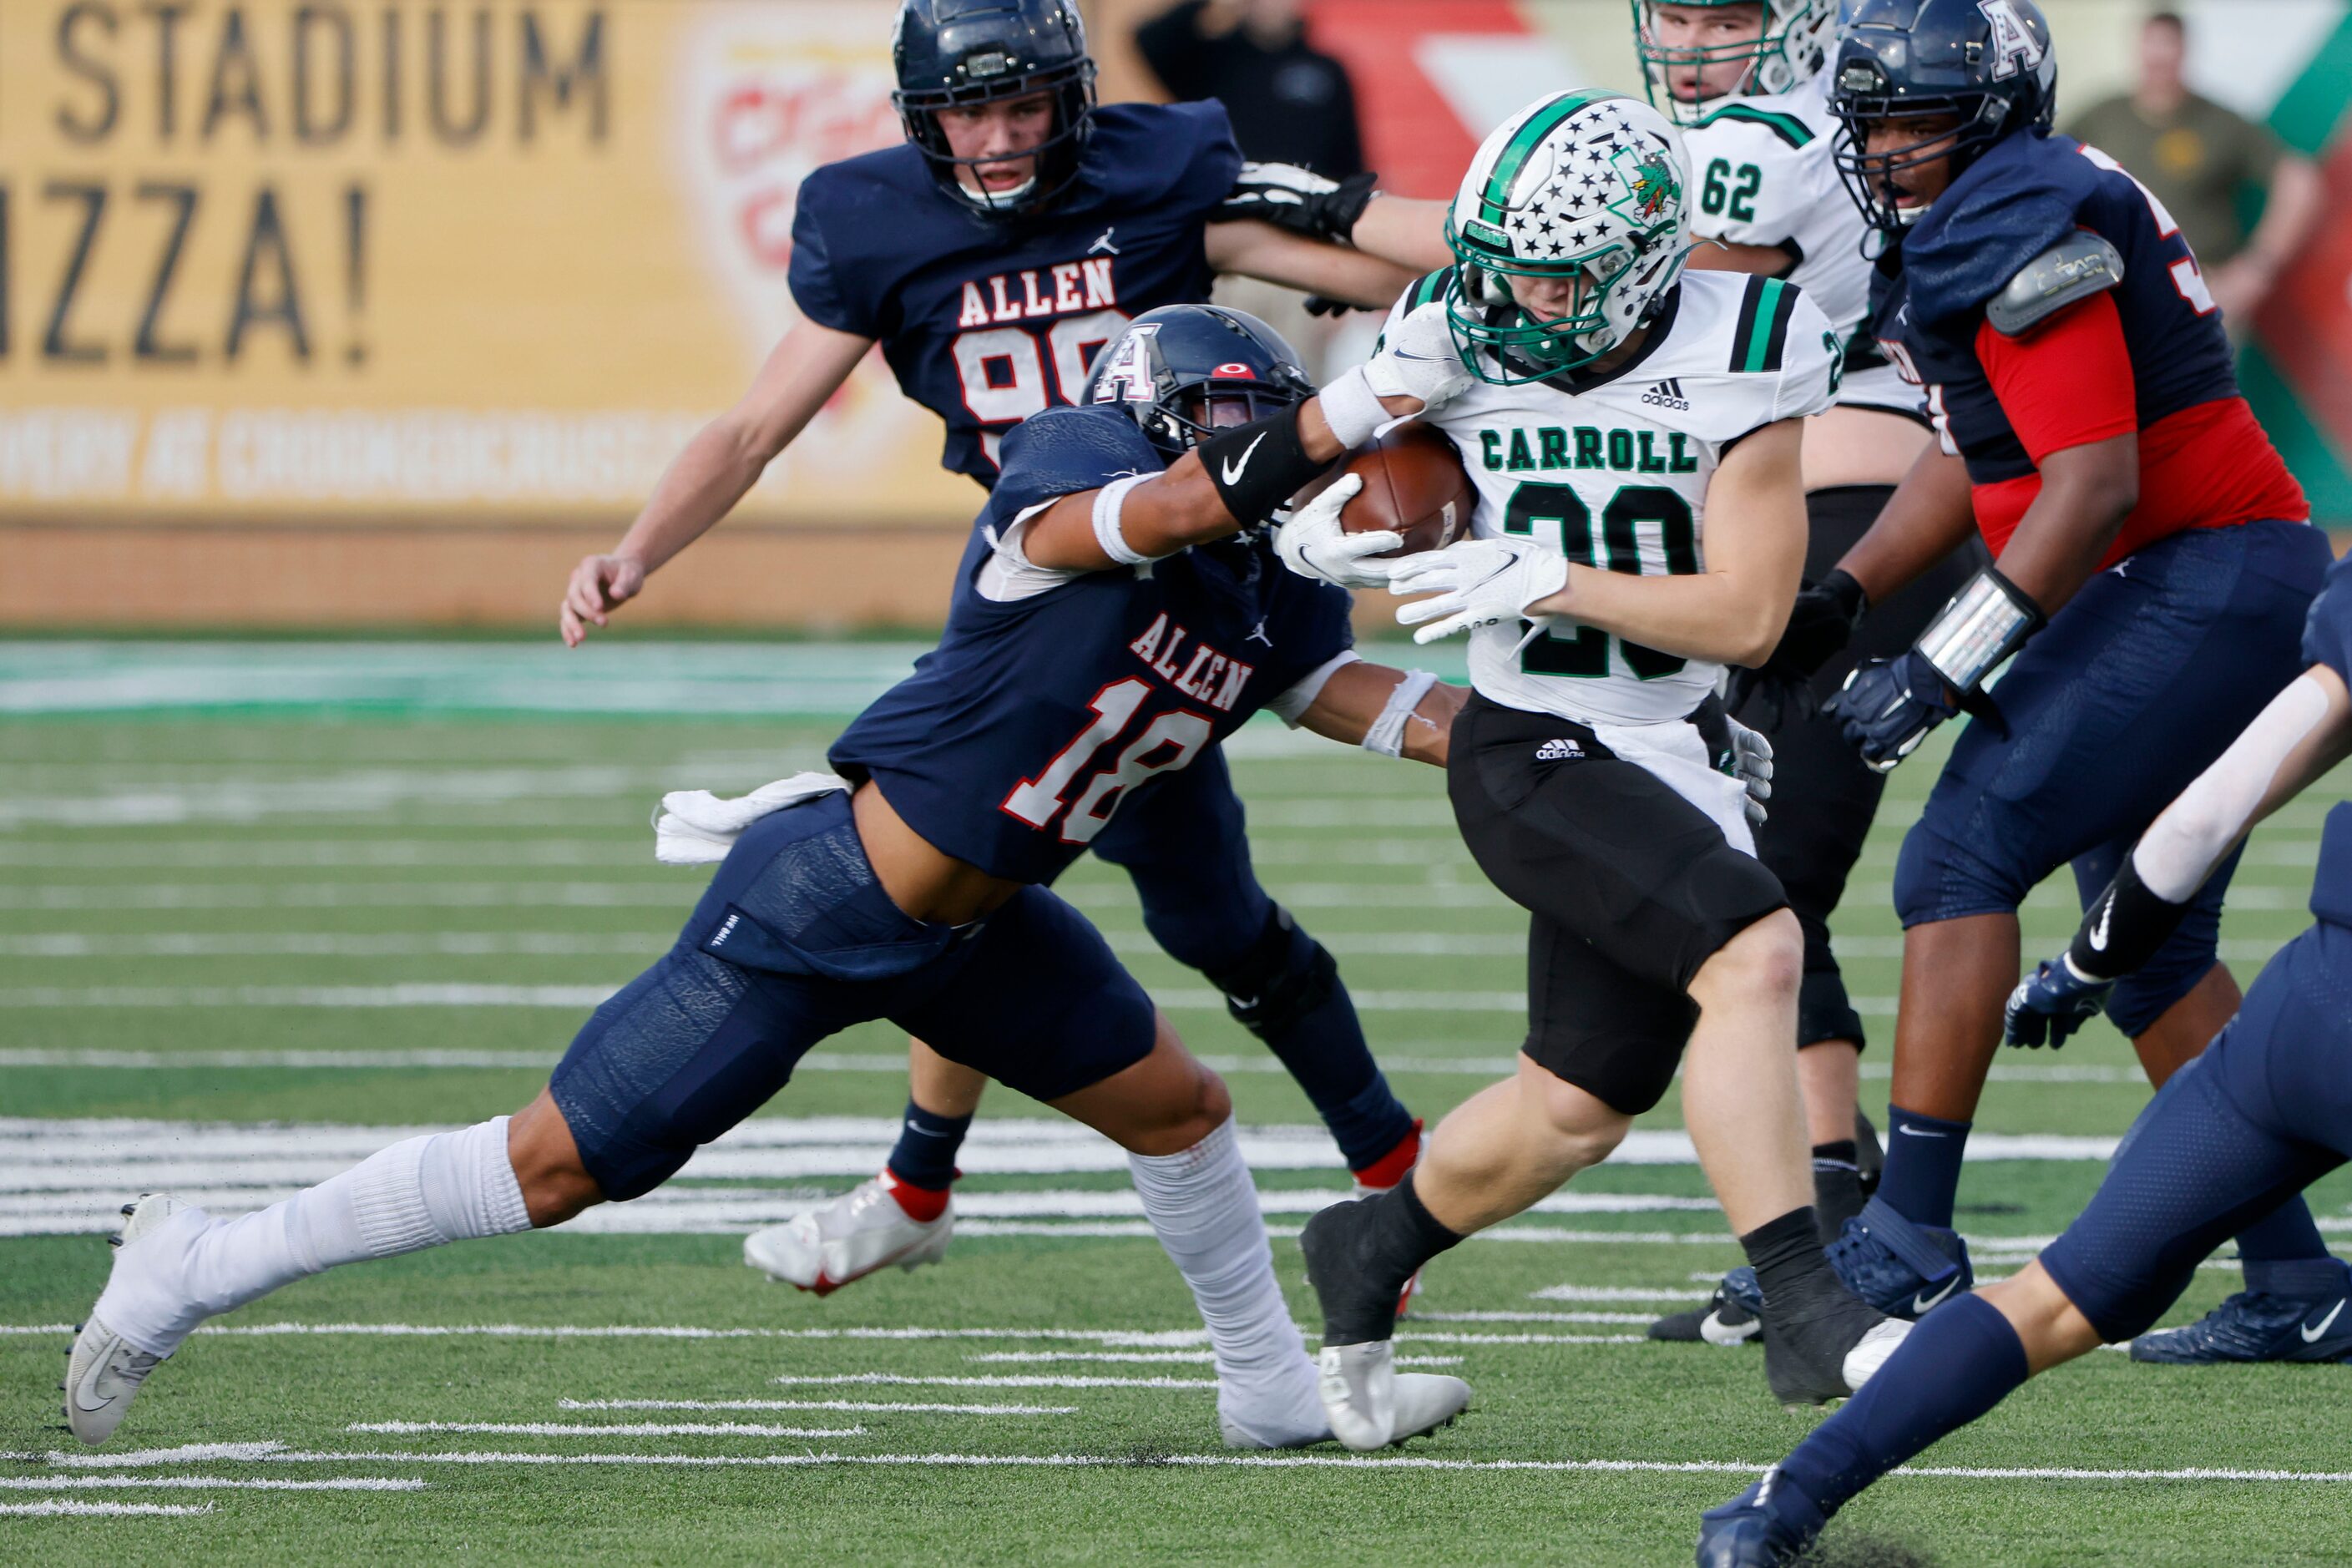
pixel 1985 64
pixel 956 54
pixel 1184 371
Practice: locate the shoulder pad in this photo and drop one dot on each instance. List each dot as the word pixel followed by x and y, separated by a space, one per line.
pixel 2077 266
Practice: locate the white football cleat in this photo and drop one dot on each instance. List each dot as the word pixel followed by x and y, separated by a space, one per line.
pixel 1870 1350
pixel 104 1371
pixel 1372 1405
pixel 860 1231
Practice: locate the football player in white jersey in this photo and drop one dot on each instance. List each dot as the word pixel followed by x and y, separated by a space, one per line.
pixel 1617 404
pixel 1743 78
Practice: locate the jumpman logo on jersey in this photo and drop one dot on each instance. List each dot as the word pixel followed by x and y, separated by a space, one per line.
pixel 1257 633
pixel 1102 245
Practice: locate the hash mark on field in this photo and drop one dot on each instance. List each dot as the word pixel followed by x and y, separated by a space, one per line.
pixel 901 1380
pixel 620 1429
pixel 1197 1358
pixel 58 1505
pixel 845 1405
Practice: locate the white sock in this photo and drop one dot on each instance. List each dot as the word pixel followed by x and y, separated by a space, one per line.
pixel 1204 1207
pixel 448 1186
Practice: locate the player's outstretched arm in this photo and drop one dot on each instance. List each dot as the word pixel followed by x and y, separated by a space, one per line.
pixel 1262 251
pixel 719 466
pixel 1412 233
pixel 1241 476
pixel 2306 731
pixel 1396 712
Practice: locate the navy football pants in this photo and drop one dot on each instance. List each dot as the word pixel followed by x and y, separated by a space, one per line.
pixel 2265 1111
pixel 2138 685
pixel 793 941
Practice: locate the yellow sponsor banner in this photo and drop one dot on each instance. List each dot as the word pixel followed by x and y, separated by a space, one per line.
pixel 467 259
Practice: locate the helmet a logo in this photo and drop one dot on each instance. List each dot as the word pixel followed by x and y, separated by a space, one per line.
pixel 2013 45
pixel 1126 374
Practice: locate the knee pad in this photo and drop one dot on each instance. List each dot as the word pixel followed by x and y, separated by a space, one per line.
pixel 1284 975
pixel 1824 1010
pixel 1938 877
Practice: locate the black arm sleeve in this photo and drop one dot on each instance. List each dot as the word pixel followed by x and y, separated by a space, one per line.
pixel 2123 928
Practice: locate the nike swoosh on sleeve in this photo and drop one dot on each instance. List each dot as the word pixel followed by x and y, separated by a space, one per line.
pixel 1233 467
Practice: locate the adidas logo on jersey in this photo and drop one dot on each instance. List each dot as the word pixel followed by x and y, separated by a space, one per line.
pixel 1560 750
pixel 1668 394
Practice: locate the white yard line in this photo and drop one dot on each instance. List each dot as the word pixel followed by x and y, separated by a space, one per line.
pixel 585 998
pixel 211 1483
pixel 1195 1358
pixel 890 1064
pixel 617 1429
pixel 272 1453
pixel 52 1507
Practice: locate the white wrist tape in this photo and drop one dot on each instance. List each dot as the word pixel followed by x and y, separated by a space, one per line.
pixel 1352 409
pixel 2182 848
pixel 1108 500
pixel 1387 734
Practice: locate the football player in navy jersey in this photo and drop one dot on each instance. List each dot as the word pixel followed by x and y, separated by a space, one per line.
pixel 2153 561
pixel 1119 613
pixel 2263 1113
pixel 992 255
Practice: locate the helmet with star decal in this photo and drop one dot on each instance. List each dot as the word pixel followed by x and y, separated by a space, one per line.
pixel 1582 188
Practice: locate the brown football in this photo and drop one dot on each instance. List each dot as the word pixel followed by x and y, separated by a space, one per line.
pixel 1415 484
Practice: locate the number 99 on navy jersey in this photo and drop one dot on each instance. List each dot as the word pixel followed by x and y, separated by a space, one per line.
pixel 987 323
pixel 1018 737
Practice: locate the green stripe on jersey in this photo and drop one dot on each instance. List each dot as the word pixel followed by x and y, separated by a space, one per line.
pixel 1787 127
pixel 1765 320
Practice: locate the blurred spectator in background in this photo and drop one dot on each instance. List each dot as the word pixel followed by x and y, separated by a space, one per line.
pixel 2202 162
pixel 1289 102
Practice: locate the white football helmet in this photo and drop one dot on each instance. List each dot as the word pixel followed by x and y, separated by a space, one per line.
pixel 1789 50
pixel 1589 186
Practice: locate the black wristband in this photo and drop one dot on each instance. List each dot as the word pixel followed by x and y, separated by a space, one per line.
pixel 1258 467
pixel 2123 928
pixel 1843 591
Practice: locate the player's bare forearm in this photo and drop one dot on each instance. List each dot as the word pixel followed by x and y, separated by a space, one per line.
pixel 1356 695
pixel 1929 514
pixel 2087 491
pixel 1268 253
pixel 1408 233
pixel 714 471
pixel 1735 610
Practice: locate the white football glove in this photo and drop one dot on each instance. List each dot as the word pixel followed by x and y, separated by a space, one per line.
pixel 1313 545
pixel 1751 761
pixel 1478 582
pixel 1417 360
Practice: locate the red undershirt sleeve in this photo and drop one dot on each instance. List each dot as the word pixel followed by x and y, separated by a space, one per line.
pixel 2068 382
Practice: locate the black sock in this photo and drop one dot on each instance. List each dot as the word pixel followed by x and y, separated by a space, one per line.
pixel 1791 1267
pixel 1837 1187
pixel 1394 1235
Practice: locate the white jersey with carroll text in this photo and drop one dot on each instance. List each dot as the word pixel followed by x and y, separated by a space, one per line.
pixel 1613 472
pixel 1764 176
